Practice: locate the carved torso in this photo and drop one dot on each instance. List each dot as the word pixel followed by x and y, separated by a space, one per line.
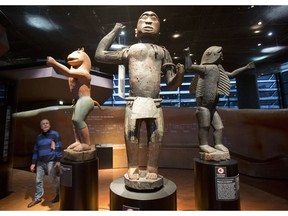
pixel 207 86
pixel 145 62
pixel 79 87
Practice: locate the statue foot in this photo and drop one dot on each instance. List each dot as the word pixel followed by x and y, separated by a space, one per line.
pixel 207 149
pixel 82 147
pixel 221 147
pixel 133 173
pixel 73 145
pixel 151 176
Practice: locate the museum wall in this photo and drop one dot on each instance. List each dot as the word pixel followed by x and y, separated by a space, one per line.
pixel 257 139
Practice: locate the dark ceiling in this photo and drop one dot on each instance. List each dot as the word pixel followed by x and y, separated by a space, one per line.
pixel 66 28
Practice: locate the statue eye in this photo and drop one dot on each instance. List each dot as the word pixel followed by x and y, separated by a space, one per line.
pixel 154 18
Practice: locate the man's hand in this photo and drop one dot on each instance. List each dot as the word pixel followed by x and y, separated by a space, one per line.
pixel 57 165
pixel 32 168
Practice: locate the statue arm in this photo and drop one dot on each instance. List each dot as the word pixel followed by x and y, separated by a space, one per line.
pixel 102 54
pixel 174 75
pixel 234 73
pixel 62 69
pixel 197 69
pixel 189 67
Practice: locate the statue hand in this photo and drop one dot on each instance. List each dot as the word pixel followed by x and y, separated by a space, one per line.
pixel 119 26
pixel 186 51
pixel 50 61
pixel 250 65
pixel 180 68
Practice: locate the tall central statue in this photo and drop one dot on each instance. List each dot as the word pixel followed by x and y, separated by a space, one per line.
pixel 147 63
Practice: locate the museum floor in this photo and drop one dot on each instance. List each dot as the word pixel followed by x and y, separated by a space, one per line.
pixel 255 193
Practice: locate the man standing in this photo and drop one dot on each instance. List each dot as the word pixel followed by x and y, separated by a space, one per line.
pixel 46 158
pixel 147 63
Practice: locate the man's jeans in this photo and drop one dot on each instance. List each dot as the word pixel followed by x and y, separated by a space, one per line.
pixel 47 167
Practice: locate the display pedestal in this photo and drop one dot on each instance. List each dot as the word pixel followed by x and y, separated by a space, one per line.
pixel 79 185
pixel 104 153
pixel 216 185
pixel 4 180
pixel 122 198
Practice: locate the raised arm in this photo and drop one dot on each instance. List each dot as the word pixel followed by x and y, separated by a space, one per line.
pixel 102 54
pixel 62 69
pixel 234 73
pixel 189 67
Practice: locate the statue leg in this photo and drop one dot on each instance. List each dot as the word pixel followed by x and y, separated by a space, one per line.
pixel 85 144
pixel 82 108
pixel 218 132
pixel 77 138
pixel 132 133
pixel 155 131
pixel 204 120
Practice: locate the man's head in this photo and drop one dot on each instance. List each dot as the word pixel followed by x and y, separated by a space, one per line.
pixel 45 125
pixel 148 27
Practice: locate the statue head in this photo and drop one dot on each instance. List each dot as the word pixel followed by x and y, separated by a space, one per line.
pixel 212 55
pixel 79 58
pixel 148 27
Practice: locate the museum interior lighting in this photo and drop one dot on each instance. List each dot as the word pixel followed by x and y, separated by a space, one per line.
pixel 176 35
pixel 40 22
pixel 260 58
pixel 273 49
pixel 117 46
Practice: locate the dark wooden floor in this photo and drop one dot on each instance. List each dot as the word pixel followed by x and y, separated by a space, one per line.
pixel 255 193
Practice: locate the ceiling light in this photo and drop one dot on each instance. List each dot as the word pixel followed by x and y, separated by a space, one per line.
pixel 164 20
pixel 257 31
pixel 272 49
pixel 270 33
pixel 259 44
pixel 40 22
pixel 260 58
pixel 277 12
pixel 122 33
pixel 117 46
pixel 259 23
pixel 176 35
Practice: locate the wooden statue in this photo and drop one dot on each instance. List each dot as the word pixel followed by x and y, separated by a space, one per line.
pixel 210 82
pixel 147 62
